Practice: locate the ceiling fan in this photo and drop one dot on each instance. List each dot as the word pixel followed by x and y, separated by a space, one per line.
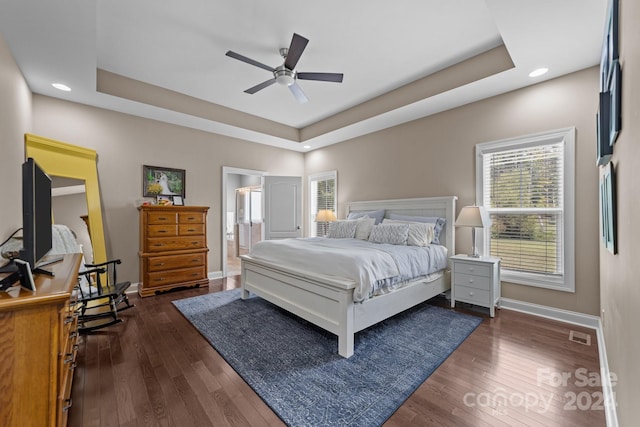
pixel 285 74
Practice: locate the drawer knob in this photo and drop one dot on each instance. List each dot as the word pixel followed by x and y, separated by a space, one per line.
pixel 158 244
pixel 162 218
pixel 191 229
pixel 158 264
pixel 162 231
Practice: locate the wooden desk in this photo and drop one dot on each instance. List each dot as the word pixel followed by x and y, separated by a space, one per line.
pixel 38 332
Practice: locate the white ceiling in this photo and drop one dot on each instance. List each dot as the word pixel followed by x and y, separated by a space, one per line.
pixel 378 45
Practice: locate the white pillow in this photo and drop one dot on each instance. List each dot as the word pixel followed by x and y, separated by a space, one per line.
pixel 342 229
pixel 364 227
pixel 395 234
pixel 420 233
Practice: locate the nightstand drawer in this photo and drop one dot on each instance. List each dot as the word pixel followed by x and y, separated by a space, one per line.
pixel 472 268
pixel 472 295
pixel 472 281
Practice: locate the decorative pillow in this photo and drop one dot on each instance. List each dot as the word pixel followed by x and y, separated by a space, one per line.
pixel 420 233
pixel 439 222
pixel 342 229
pixel 394 234
pixel 364 227
pixel 377 215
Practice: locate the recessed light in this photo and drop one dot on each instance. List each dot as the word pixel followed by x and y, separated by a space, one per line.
pixel 61 86
pixel 538 72
pixel 306 146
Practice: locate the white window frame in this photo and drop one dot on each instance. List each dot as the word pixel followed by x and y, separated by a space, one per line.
pixel 566 282
pixel 311 198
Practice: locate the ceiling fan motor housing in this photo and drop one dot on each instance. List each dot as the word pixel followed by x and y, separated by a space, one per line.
pixel 284 76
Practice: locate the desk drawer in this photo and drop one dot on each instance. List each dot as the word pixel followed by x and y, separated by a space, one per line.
pixel 175 243
pixel 163 230
pixel 472 295
pixel 162 218
pixel 478 282
pixel 171 262
pixel 190 229
pixel 472 268
pixel 191 217
pixel 162 278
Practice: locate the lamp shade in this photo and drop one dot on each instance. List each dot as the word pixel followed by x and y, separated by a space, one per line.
pixel 473 216
pixel 325 215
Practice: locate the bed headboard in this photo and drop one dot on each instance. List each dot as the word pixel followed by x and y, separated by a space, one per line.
pixel 444 207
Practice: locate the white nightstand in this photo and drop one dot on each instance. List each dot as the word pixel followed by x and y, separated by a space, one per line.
pixel 476 281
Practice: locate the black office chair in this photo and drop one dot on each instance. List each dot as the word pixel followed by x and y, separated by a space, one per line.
pixel 100 296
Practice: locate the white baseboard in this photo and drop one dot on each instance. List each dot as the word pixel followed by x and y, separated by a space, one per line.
pixel 580 319
pixel 214 275
pixel 608 394
pixel 566 316
pixel 133 289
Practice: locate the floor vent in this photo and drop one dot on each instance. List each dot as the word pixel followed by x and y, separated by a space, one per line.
pixel 580 337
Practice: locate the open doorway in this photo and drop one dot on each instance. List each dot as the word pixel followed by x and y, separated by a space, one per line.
pixel 241 215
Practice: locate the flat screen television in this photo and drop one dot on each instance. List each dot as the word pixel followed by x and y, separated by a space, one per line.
pixel 36 213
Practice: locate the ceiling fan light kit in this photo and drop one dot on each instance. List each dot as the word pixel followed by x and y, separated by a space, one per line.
pixel 285 74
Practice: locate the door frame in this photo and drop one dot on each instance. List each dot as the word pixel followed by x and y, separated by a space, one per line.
pixel 226 171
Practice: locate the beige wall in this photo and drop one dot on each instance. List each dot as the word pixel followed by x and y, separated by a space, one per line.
pixel 434 156
pixel 620 274
pixel 124 143
pixel 15 121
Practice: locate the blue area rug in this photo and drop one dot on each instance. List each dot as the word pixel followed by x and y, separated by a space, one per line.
pixel 294 366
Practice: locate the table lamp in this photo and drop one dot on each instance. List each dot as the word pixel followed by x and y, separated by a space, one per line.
pixel 474 217
pixel 325 216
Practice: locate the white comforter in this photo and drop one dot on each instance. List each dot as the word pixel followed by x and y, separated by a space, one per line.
pixel 372 266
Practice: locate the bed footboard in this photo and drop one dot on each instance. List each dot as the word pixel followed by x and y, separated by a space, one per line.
pixel 322 300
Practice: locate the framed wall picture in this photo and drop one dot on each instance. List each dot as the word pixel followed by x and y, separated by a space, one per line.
pixel 178 201
pixel 162 181
pixel 615 121
pixel 604 148
pixel 608 208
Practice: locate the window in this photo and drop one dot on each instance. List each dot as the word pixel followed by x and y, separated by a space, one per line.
pixel 526 185
pixel 322 196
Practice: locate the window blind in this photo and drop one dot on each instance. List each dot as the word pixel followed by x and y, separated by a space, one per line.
pixel 322 192
pixel 523 194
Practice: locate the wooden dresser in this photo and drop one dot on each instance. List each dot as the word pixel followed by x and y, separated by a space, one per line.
pixel 173 248
pixel 38 332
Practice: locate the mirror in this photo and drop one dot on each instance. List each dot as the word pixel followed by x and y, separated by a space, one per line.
pixel 69 206
pixel 69 161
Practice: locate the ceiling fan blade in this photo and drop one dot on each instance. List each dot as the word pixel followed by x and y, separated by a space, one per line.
pixel 323 77
pixel 261 86
pixel 249 61
pixel 297 46
pixel 298 93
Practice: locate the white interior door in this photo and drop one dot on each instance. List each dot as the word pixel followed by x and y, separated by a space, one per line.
pixel 282 207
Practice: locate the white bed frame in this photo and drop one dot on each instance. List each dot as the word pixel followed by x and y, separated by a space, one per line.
pixel 328 301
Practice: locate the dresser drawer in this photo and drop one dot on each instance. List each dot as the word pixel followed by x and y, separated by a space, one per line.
pixel 159 244
pixel 163 230
pixel 171 262
pixel 161 218
pixel 472 268
pixel 162 278
pixel 472 295
pixel 190 229
pixel 191 217
pixel 472 281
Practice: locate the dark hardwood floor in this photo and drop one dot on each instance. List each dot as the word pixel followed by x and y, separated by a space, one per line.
pixel 155 369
